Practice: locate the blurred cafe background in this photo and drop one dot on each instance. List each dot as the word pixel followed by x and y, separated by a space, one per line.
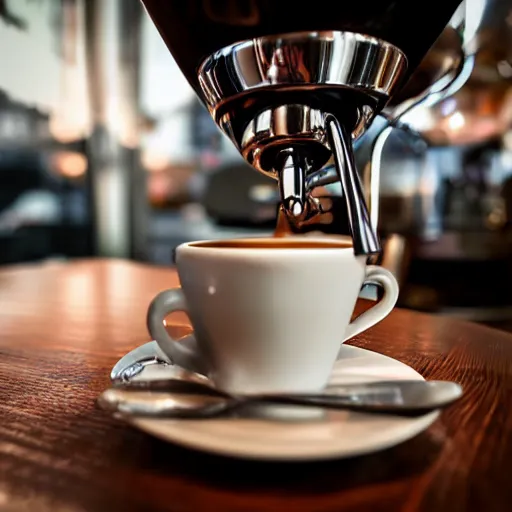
pixel 105 151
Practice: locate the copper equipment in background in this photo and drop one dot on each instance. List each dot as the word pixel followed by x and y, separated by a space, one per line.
pixel 439 173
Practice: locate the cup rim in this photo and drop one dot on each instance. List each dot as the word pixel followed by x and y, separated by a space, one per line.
pixel 197 247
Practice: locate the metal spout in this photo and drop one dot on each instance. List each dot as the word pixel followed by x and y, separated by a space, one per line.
pixel 292 184
pixel 293 143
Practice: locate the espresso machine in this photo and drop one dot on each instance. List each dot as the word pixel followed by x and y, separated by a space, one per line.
pixel 294 89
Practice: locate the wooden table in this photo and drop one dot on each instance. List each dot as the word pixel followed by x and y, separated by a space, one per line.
pixel 63 326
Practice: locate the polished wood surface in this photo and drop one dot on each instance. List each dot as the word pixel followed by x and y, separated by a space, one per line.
pixel 63 326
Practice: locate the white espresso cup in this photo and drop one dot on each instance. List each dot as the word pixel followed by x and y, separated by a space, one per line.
pixel 269 314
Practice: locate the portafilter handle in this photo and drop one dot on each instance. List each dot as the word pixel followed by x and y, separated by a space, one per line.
pixel 365 240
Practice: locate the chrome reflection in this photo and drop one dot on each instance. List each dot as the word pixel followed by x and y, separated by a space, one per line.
pixel 328 58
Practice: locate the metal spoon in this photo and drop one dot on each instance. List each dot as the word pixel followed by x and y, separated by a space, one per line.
pixel 399 398
pixel 150 355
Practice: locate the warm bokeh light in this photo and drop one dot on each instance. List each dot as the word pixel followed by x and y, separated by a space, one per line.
pixel 70 164
pixel 154 161
pixel 456 121
pixel 65 129
pixel 70 118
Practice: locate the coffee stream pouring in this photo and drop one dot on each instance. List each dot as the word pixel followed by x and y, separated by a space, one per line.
pixel 293 88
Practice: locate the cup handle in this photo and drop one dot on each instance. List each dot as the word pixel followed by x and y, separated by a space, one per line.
pixel 386 280
pixel 185 352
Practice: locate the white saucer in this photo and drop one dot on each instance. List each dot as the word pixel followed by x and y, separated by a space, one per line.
pixel 335 434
